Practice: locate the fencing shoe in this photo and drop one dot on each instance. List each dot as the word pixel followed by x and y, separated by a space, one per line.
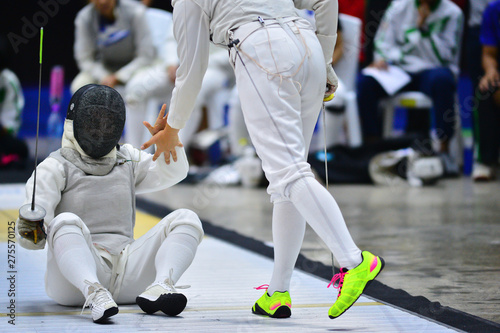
pixel 100 302
pixel 162 296
pixel 353 282
pixel 279 305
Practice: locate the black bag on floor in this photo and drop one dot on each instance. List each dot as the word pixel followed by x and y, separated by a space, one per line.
pixel 347 165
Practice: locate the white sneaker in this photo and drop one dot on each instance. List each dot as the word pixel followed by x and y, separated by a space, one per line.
pixel 100 302
pixel 162 296
pixel 482 173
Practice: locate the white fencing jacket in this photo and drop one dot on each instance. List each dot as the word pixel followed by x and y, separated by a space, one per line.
pixel 197 22
pixel 399 41
pixel 123 46
pixel 106 204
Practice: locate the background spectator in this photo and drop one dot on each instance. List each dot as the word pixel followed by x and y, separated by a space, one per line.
pixel 13 151
pixel 424 41
pixel 112 42
pixel 488 114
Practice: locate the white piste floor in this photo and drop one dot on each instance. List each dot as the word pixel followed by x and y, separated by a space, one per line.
pixel 222 279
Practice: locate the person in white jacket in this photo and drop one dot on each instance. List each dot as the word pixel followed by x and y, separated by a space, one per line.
pixel 282 66
pixel 87 189
pixel 112 42
pixel 423 39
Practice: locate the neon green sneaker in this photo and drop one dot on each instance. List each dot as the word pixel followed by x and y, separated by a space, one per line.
pixel 279 305
pixel 353 282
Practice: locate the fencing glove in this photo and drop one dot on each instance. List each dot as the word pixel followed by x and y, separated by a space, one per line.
pixel 31 234
pixel 332 83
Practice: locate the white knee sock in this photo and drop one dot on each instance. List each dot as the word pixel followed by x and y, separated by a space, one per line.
pixel 75 260
pixel 321 211
pixel 288 233
pixel 176 253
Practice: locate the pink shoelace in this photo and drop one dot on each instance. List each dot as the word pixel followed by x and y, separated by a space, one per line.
pixel 264 286
pixel 340 278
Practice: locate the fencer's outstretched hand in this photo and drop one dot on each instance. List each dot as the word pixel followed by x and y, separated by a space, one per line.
pixel 332 81
pixel 33 231
pixel 166 140
pixel 160 122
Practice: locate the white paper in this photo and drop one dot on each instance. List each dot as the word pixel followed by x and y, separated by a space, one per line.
pixel 392 79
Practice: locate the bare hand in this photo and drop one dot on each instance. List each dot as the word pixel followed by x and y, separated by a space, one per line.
pixel 166 140
pixel 380 64
pixel 160 122
pixel 490 80
pixel 110 81
pixel 423 13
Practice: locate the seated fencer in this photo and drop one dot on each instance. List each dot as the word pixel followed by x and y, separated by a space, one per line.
pixel 88 189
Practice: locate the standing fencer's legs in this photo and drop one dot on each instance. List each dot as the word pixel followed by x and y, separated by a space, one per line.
pixel 280 118
pixel 288 233
pixel 282 134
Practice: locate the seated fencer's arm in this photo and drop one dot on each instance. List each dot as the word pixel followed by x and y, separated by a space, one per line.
pixel 50 183
pixel 151 176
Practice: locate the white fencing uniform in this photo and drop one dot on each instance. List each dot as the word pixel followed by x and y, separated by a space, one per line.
pixel 123 47
pixel 102 209
pixel 286 61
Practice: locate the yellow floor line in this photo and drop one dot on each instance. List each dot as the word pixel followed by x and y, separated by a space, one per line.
pixel 201 309
pixel 6 216
pixel 143 222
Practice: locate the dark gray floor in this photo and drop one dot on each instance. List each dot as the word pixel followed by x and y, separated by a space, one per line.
pixel 441 242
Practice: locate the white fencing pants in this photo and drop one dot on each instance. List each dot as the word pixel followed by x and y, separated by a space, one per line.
pixel 280 117
pixel 281 97
pixel 125 275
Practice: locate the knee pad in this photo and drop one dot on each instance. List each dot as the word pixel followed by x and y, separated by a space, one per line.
pixel 66 223
pixel 186 218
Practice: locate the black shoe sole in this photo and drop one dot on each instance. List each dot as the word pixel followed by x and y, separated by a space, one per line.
pixel 108 313
pixel 282 312
pixel 367 284
pixel 169 304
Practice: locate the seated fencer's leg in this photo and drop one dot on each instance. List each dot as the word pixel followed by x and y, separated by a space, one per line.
pixel 77 265
pixel 172 259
